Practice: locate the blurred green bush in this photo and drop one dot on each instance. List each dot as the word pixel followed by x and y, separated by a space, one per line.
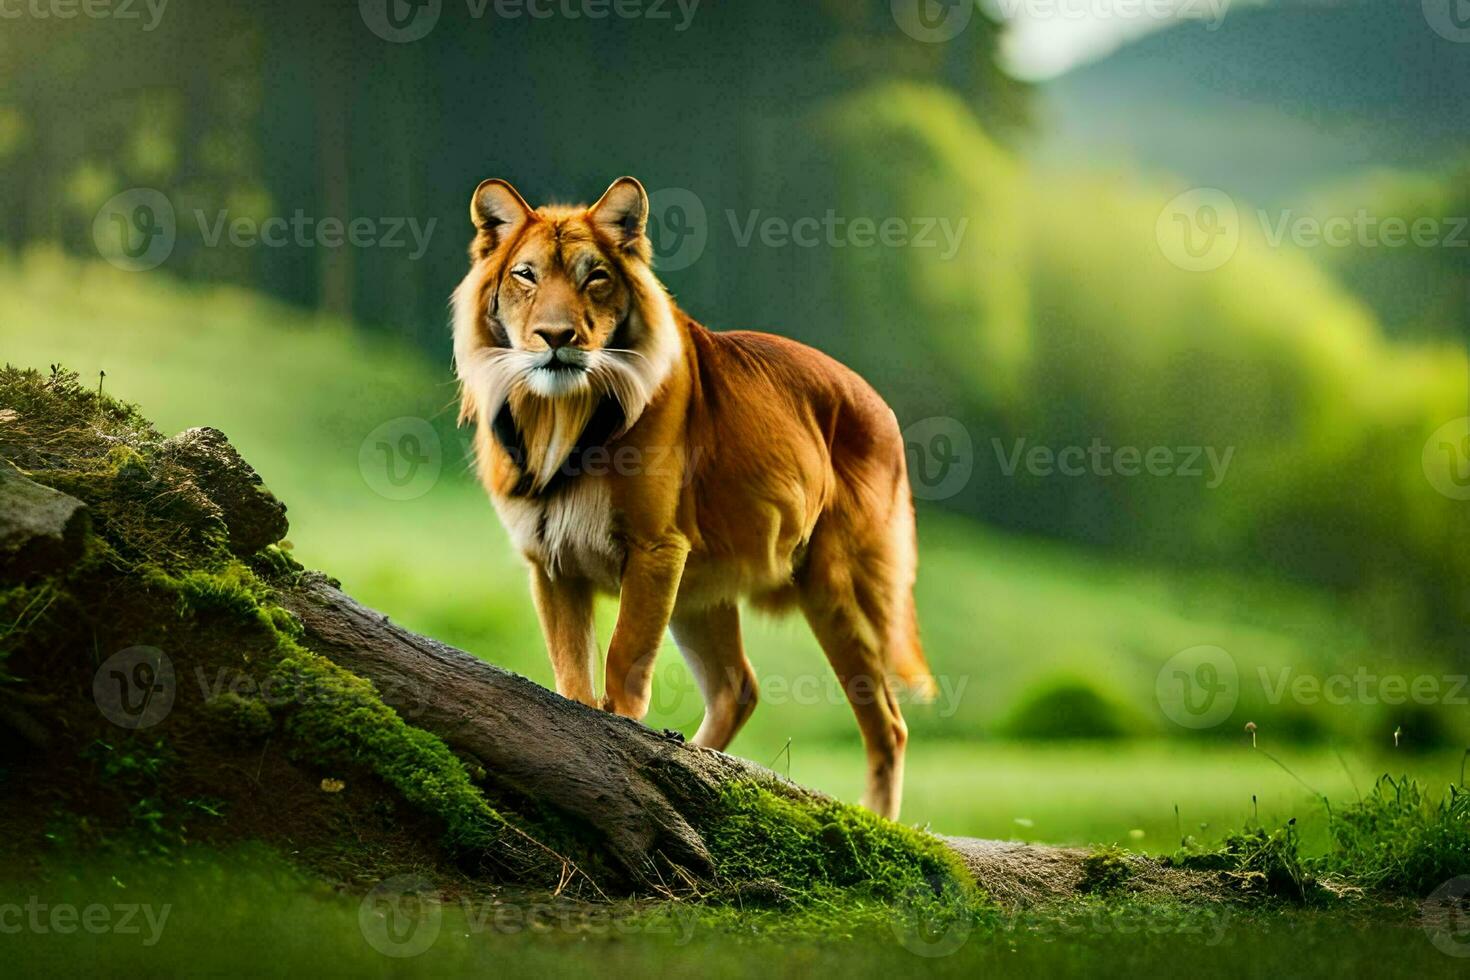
pixel 1068 708
pixel 1296 429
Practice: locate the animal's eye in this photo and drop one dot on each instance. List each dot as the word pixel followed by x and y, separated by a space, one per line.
pixel 525 274
pixel 594 277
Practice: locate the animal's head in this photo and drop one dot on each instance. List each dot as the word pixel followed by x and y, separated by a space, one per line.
pixel 561 304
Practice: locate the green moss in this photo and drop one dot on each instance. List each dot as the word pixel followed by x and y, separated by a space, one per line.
pixel 239 719
pixel 1256 860
pixel 1106 870
pixel 338 717
pixel 802 850
pixel 275 562
pixel 233 590
pixel 334 718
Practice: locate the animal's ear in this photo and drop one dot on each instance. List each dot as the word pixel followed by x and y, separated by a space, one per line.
pixel 622 213
pixel 497 211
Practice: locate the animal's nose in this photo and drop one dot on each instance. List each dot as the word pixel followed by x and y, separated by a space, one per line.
pixel 556 336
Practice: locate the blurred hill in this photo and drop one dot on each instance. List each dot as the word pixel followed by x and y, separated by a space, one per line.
pixel 1275 101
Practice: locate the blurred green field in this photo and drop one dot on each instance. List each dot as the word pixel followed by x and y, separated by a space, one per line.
pixel 310 402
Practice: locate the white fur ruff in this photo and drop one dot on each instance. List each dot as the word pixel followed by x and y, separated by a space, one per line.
pixel 492 375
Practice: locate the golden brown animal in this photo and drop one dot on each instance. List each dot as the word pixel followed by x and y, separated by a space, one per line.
pixel 629 450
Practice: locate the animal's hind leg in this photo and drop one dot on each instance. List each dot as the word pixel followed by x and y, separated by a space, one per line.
pixel 848 607
pixel 709 639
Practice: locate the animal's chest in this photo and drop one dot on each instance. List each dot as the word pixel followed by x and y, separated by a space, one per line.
pixel 571 532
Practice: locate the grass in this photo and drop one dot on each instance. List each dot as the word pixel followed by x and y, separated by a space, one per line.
pixel 1080 793
pixel 191 919
pixel 1401 838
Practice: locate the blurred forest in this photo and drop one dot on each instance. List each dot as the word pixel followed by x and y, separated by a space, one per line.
pixel 1057 319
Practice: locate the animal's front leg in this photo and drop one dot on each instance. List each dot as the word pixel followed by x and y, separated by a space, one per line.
pixel 650 584
pixel 564 606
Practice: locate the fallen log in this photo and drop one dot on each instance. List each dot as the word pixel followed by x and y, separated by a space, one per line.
pixel 646 792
